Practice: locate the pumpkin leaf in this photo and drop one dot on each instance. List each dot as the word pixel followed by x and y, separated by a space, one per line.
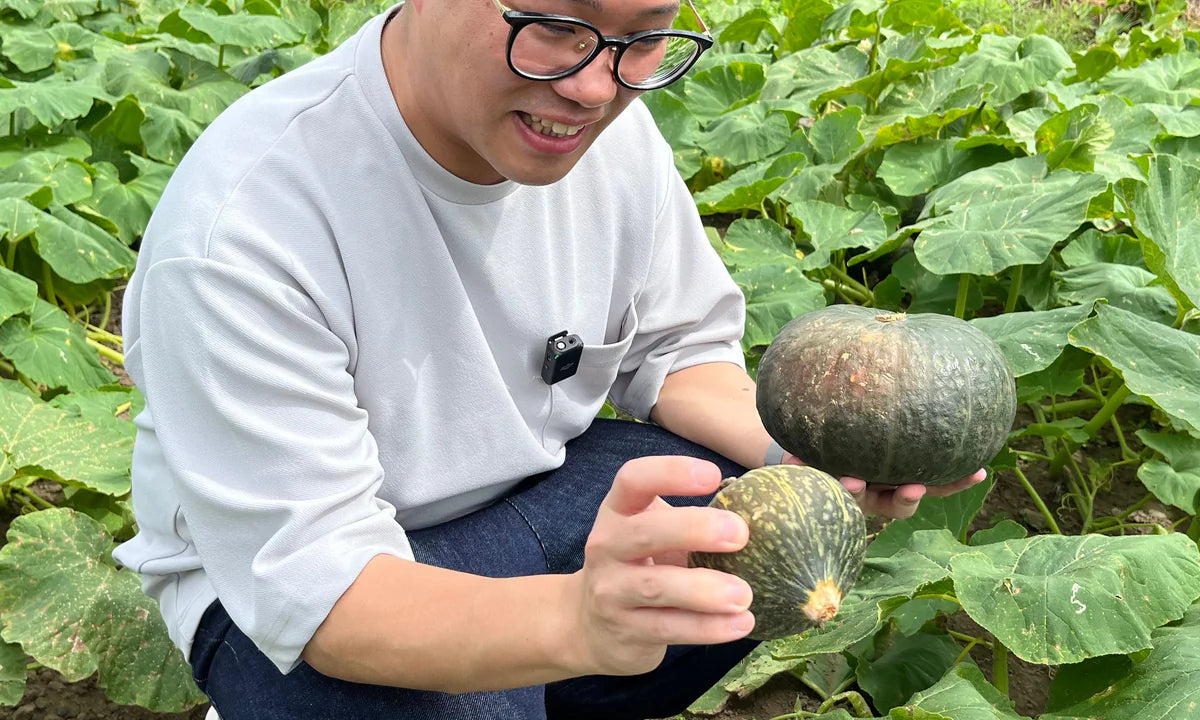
pixel 1032 340
pixel 910 663
pixel 1163 685
pixel 12 673
pixel 1175 481
pixel 1012 213
pixel 1012 66
pixel 52 349
pixel 915 168
pixel 963 693
pixel 747 134
pixel 1156 361
pixel 72 610
pixel 17 294
pixel 64 445
pixel 774 295
pixel 756 243
pixel 1054 599
pixel 1125 286
pixel 953 512
pixel 1167 211
pixel 78 250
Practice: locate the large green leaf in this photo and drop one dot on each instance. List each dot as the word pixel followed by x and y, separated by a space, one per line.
pixel 962 694
pixel 713 92
pixel 745 189
pixel 1176 480
pixel 1167 211
pixel 1075 138
pixel 754 243
pixel 51 101
pixel 66 445
pixel 1124 286
pixel 921 105
pixel 1032 340
pixel 74 611
pixel 18 219
pixel 1164 685
pixel 68 179
pixel 129 204
pixel 1013 66
pixel 78 250
pixel 832 227
pixel 796 80
pixel 911 664
pixel 12 672
pixel 1095 247
pixel 1172 79
pixel 1008 214
pixel 835 136
pixel 1055 599
pixel 747 134
pixel 241 29
pixel 1156 361
pixel 953 512
pixel 30 48
pixel 17 294
pixel 168 133
pixel 774 295
pixel 915 168
pixel 52 349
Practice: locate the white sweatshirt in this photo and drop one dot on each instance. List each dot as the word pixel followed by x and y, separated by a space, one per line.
pixel 339 340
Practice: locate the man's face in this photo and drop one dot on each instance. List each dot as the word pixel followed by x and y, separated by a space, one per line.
pixel 480 120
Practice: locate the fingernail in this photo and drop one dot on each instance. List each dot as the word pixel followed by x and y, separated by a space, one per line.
pixel 743 623
pixel 732 527
pixel 738 595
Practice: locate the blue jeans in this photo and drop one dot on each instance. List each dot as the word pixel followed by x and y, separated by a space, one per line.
pixel 539 528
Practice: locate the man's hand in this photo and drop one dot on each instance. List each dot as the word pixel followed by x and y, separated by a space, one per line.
pixel 896 501
pixel 635 595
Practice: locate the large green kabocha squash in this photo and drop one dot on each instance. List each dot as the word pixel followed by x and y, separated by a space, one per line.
pixel 887 397
pixel 806 546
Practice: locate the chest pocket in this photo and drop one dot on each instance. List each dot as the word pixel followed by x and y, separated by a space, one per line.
pixel 586 391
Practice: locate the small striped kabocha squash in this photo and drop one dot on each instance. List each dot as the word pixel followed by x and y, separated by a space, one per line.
pixel 806 546
pixel 887 397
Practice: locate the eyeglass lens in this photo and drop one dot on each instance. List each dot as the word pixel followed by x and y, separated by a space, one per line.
pixel 549 49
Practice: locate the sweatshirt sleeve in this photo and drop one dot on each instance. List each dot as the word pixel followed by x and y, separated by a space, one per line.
pixel 277 473
pixel 690 311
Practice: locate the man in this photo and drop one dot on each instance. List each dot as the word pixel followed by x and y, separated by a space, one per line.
pixel 357 495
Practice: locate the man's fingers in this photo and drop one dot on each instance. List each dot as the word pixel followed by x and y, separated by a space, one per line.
pixel 700 590
pixel 959 485
pixel 641 480
pixel 672 626
pixel 664 530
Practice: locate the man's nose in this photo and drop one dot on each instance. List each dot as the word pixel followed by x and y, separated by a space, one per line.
pixel 594 85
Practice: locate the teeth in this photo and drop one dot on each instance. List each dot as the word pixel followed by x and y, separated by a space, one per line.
pixel 552 129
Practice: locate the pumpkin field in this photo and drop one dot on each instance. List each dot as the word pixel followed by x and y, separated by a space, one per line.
pixel 915 156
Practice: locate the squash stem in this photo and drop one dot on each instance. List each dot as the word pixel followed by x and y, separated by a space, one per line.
pixel 856 702
pixel 969 639
pixel 847 293
pixel 1110 407
pixel 107 311
pixel 1072 407
pixel 107 352
pixel 1037 500
pixel 846 279
pixel 1000 666
pixel 1014 289
pixel 964 287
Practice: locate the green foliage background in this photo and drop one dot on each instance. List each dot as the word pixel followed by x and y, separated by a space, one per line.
pixel 901 154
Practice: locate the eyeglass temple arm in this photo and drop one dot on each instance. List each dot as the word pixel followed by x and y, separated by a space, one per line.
pixel 703 27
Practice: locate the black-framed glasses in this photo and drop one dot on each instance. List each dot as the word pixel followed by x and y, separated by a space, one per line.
pixel 549 47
